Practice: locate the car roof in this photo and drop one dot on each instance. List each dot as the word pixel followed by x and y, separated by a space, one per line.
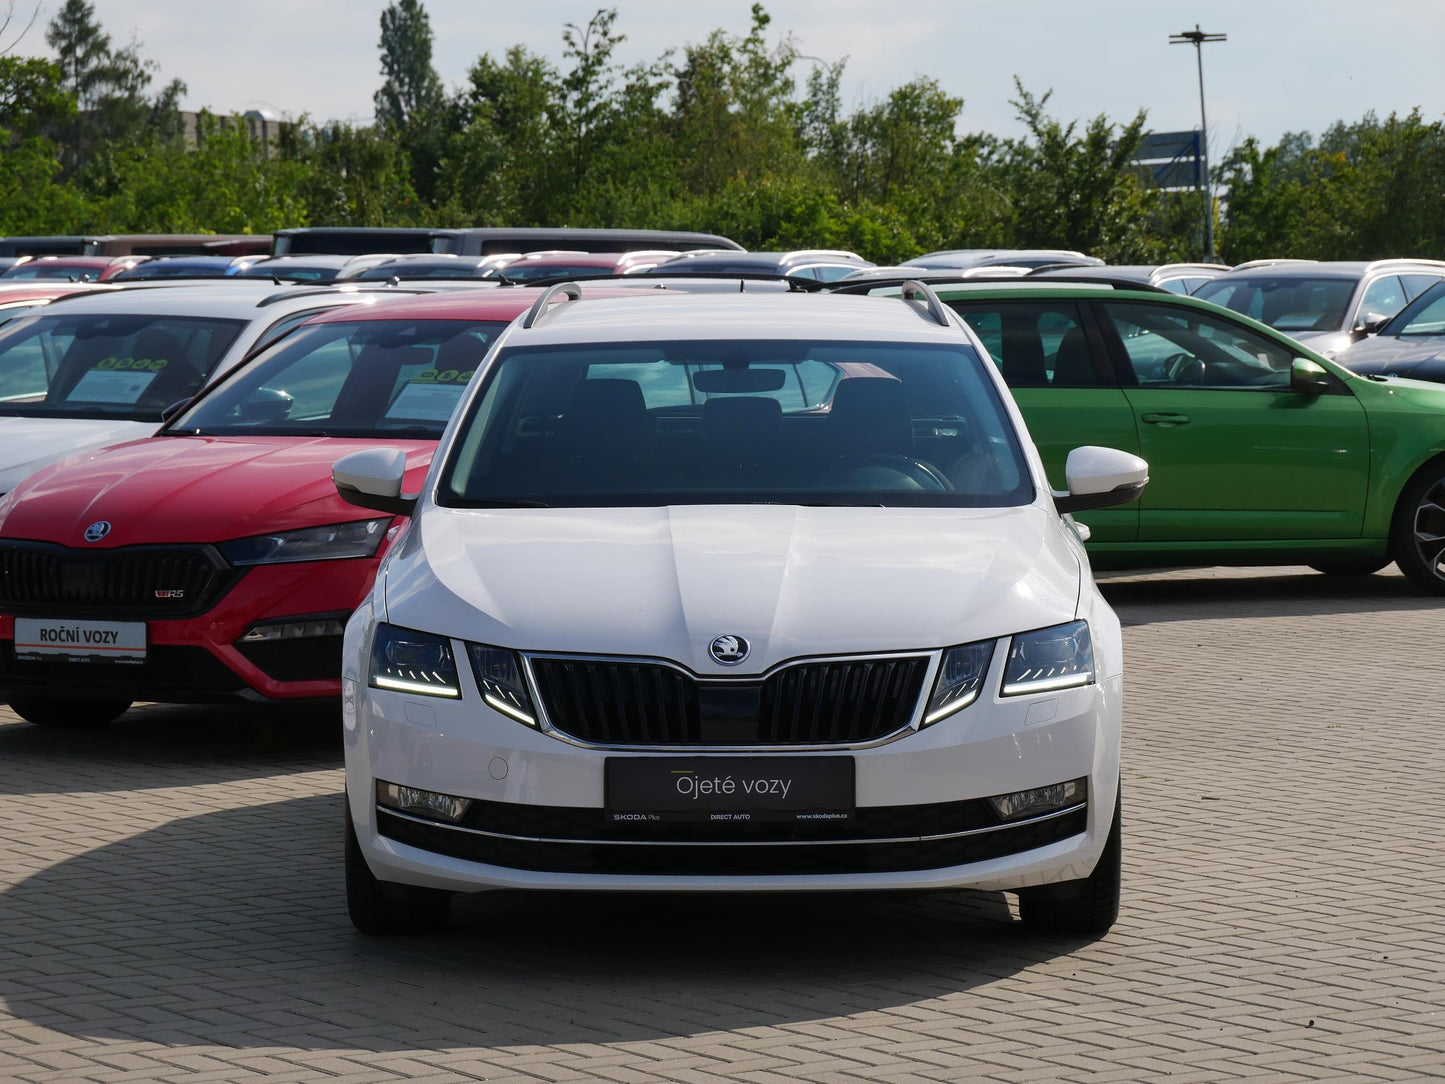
pixel 244 299
pixel 802 315
pixel 502 303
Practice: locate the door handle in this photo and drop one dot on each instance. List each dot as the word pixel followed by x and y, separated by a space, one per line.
pixel 1165 418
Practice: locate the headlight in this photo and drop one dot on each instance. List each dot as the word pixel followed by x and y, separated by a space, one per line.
pixel 329 543
pixel 960 676
pixel 1055 658
pixel 499 677
pixel 413 662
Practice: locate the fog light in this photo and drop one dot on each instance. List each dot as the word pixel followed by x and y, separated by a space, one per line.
pixel 427 803
pixel 1040 800
pixel 294 630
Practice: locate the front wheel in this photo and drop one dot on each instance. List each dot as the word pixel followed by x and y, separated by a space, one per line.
pixel 382 908
pixel 76 713
pixel 1417 535
pixel 1082 908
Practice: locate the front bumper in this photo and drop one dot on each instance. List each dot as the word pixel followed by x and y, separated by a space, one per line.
pixel 198 659
pixel 537 819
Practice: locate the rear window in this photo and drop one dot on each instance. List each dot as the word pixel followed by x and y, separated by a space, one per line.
pixel 1284 302
pixel 107 366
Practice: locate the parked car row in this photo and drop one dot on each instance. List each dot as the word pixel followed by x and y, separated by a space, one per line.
pixel 650 583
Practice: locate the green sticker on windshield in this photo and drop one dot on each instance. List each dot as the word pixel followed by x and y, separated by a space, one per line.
pixel 442 376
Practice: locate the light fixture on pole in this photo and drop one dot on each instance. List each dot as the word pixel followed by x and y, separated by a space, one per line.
pixel 1197 38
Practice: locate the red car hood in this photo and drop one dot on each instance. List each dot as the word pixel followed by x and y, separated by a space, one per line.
pixel 195 489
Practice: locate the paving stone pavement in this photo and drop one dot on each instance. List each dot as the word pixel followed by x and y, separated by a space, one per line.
pixel 171 902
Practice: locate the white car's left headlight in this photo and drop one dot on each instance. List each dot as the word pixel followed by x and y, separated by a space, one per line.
pixel 330 543
pixel 1060 657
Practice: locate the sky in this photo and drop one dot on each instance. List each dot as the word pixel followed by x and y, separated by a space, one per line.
pixel 1289 65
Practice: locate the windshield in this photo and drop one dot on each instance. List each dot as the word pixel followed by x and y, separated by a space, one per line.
pixel 53 271
pixel 299 273
pixel 103 365
pixel 161 269
pixel 789 422
pixel 364 378
pixel 1284 302
pixel 531 272
pixel 1425 316
pixel 451 269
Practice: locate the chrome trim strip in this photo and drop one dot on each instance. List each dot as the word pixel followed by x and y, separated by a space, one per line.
pixel 735 843
pixel 915 718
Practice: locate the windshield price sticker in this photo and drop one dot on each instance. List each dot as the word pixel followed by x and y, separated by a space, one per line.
pixel 728 790
pixel 116 386
pixel 37 639
pixel 429 401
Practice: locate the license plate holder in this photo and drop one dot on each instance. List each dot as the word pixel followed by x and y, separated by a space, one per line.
pixel 723 790
pixel 109 643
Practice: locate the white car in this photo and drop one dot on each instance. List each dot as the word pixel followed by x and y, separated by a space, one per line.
pixel 735 592
pixel 95 369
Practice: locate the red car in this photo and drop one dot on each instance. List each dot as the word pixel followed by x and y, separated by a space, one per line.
pixel 215 560
pixel 72 268
pixel 21 297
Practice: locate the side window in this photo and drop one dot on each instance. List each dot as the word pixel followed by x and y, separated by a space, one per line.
pixel 1385 296
pixel 1035 344
pixel 1178 348
pixel 282 326
pixel 1415 285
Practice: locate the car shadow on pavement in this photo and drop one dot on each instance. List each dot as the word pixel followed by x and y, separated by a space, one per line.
pixel 229 928
pixel 1205 594
pixel 157 745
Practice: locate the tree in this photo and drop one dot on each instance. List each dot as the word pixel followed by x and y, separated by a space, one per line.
pixel 411 106
pixel 108 85
pixel 412 88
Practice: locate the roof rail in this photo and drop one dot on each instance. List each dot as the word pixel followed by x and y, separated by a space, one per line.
pixel 913 290
pixel 794 283
pixel 1249 265
pixel 867 286
pixel 570 289
pixel 1402 261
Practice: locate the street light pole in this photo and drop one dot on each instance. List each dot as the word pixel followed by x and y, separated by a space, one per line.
pixel 1197 38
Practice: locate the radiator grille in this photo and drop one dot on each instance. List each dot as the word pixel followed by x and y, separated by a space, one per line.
pixel 137 581
pixel 808 703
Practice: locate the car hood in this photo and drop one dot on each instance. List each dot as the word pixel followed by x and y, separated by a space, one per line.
pixel 194 489
pixel 1398 355
pixel 665 582
pixel 28 444
pixel 1328 343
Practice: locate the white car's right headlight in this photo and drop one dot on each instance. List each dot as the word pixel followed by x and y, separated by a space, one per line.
pixel 960 677
pixel 1060 657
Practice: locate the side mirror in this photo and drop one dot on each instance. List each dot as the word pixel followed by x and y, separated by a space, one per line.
pixel 174 409
pixel 1310 378
pixel 1369 323
pixel 372 479
pixel 265 405
pixel 1101 478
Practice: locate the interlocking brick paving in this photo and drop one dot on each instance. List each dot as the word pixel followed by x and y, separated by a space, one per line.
pixel 171 902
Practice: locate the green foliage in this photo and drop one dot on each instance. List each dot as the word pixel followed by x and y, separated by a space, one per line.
pixel 1365 190
pixel 715 136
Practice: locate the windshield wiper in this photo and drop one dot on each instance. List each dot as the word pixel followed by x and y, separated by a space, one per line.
pixel 517 502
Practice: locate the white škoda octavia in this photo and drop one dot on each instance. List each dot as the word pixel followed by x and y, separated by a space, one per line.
pixel 746 592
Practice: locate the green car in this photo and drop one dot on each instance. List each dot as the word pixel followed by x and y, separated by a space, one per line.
pixel 1259 450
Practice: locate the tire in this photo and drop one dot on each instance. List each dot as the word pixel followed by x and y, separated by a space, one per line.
pixel 1085 908
pixel 1421 511
pixel 74 712
pixel 384 909
pixel 1351 566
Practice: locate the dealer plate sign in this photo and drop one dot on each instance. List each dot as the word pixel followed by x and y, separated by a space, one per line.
pixel 37 639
